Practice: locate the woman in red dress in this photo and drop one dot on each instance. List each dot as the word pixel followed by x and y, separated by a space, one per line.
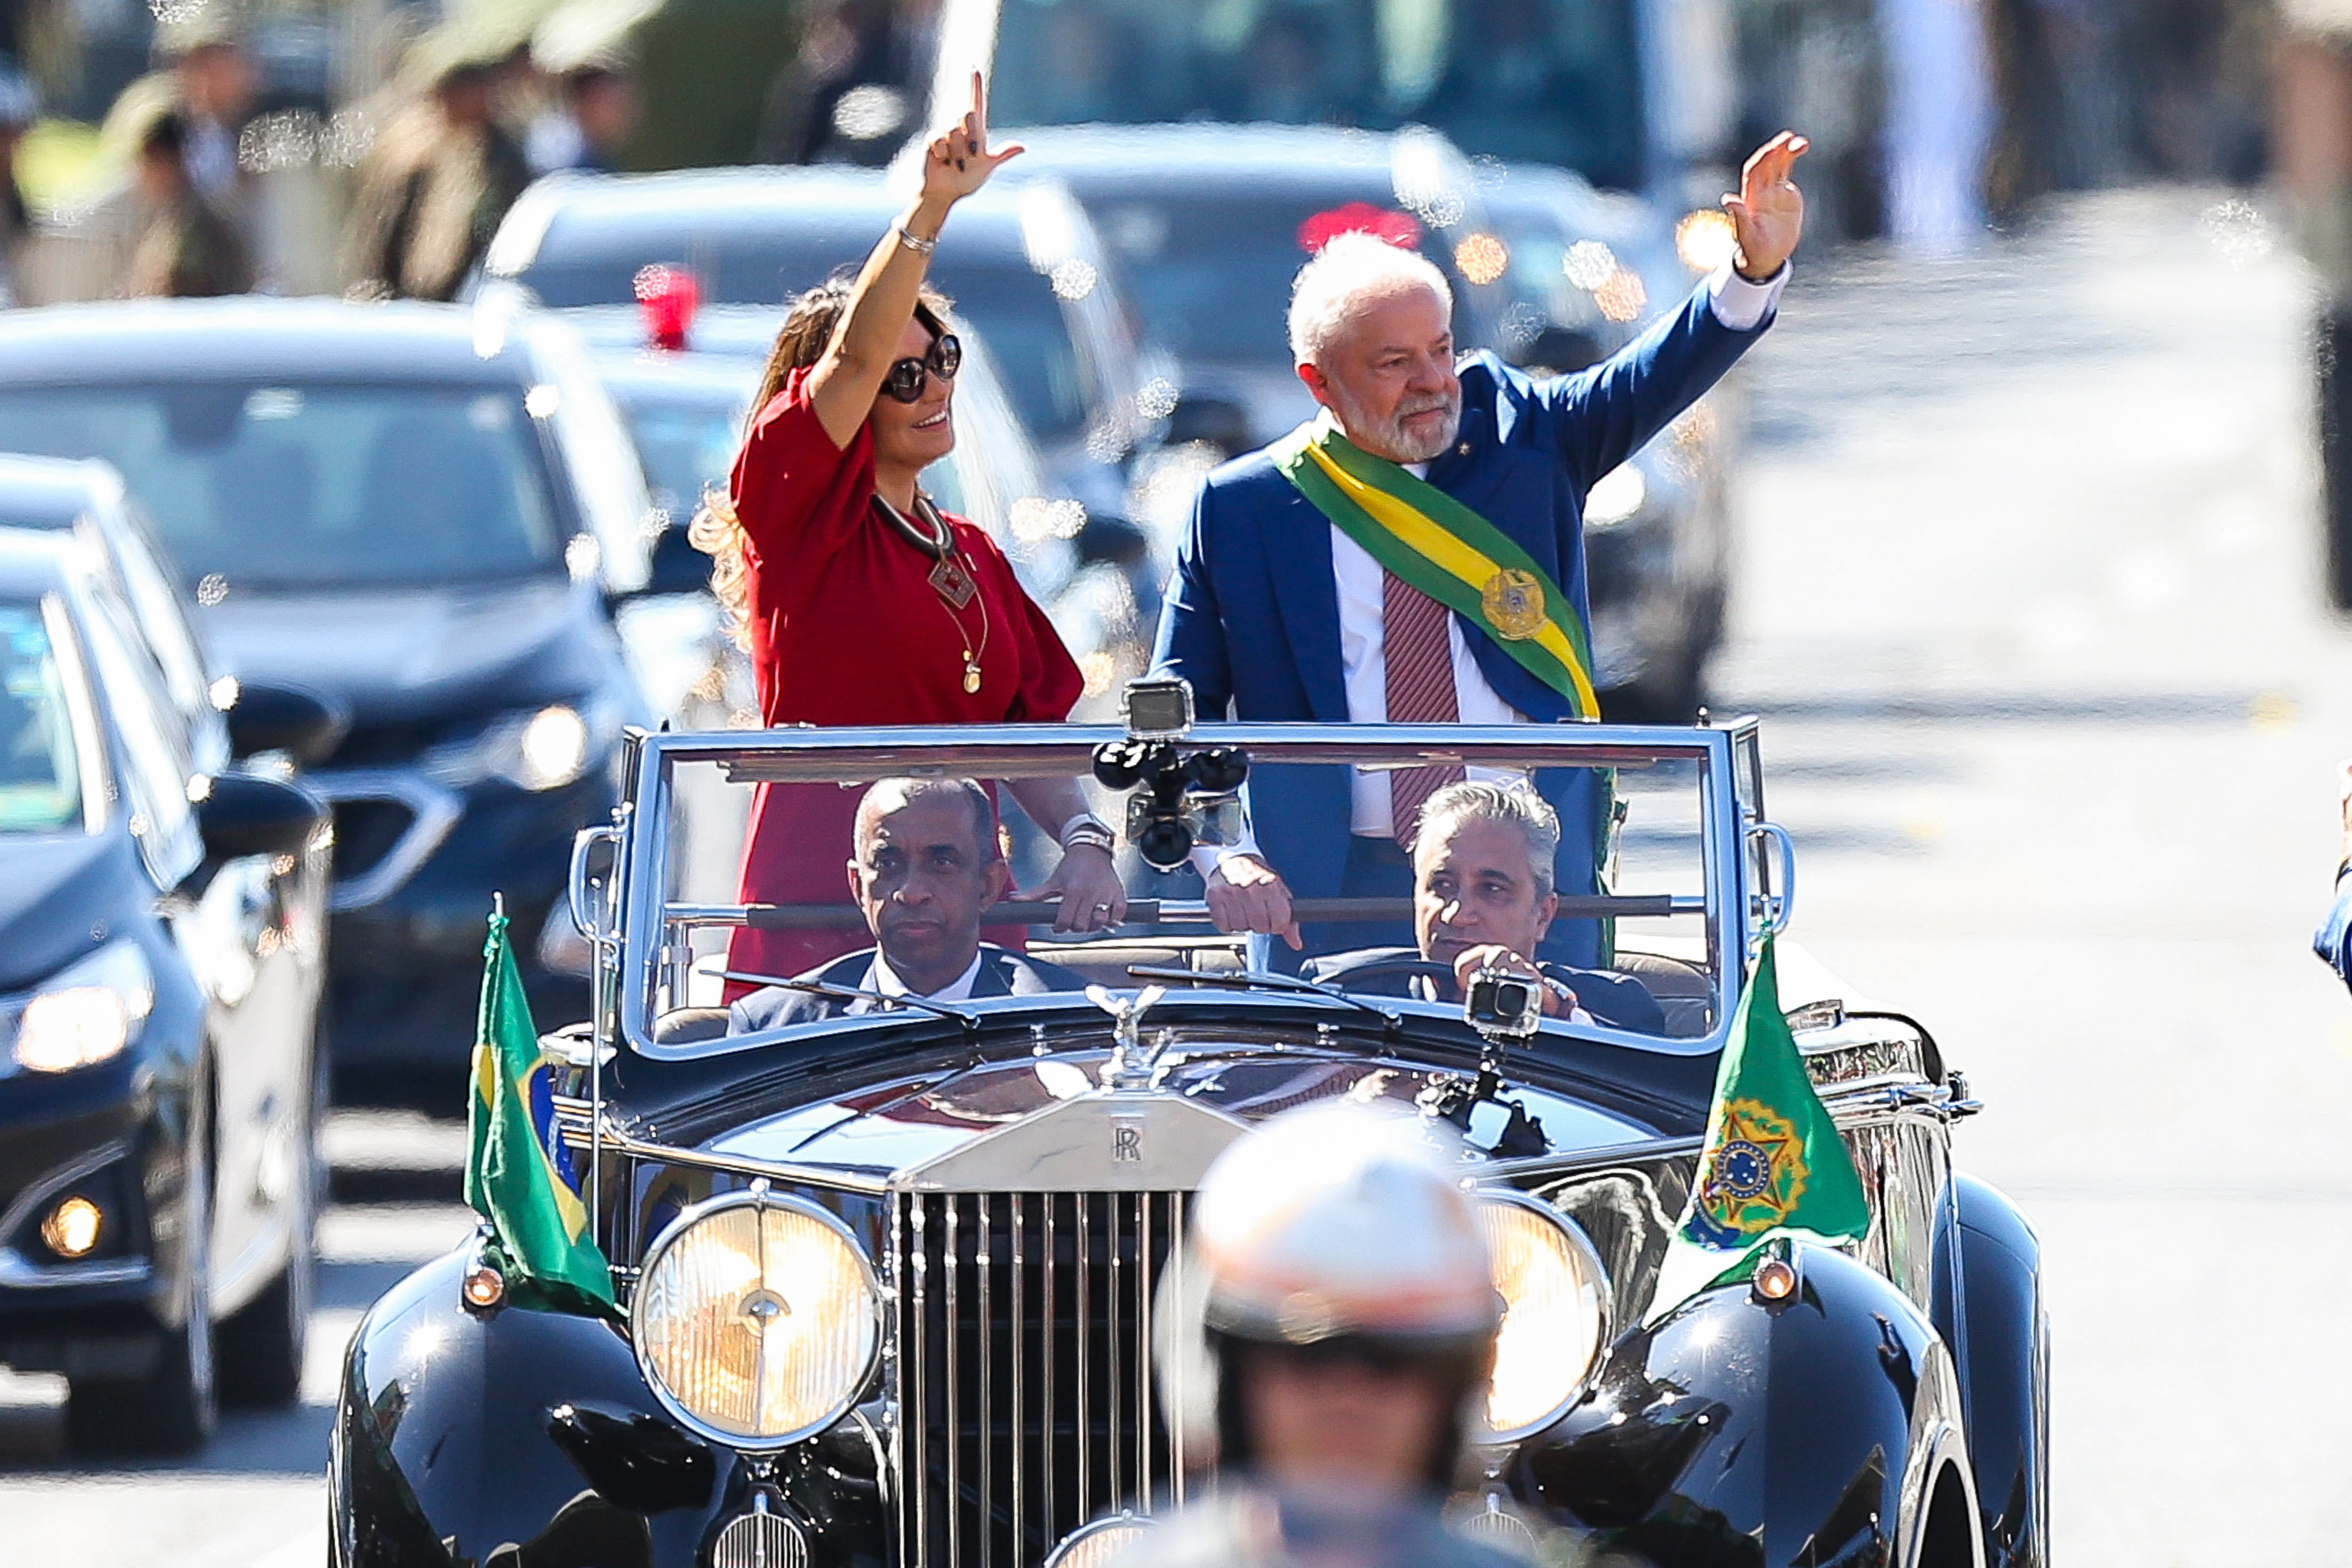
pixel 864 603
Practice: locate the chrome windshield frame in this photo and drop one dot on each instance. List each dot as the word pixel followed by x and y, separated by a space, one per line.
pixel 849 755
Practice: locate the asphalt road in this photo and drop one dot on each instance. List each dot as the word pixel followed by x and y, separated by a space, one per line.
pixel 2029 598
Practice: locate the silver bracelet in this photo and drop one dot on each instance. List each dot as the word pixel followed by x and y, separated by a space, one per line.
pixel 913 242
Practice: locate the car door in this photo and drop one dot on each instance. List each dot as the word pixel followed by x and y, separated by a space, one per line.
pixel 233 926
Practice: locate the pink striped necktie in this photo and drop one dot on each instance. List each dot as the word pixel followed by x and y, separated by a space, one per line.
pixel 1420 658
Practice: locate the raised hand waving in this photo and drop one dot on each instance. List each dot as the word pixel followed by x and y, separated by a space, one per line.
pixel 1768 216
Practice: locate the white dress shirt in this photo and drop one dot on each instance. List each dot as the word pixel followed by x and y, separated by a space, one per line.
pixel 1737 304
pixel 880 978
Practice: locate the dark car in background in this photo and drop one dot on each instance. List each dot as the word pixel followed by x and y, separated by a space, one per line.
pixel 1209 224
pixel 423 512
pixel 162 940
pixel 1022 265
pixel 1587 272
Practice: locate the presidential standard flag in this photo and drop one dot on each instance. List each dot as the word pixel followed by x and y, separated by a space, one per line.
pixel 1772 1161
pixel 518 1175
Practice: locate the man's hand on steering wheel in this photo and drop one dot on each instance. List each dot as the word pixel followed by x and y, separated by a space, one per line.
pixel 1558 1001
pixel 1245 894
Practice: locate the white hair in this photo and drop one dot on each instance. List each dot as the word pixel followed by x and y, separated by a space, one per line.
pixel 1514 805
pixel 1347 274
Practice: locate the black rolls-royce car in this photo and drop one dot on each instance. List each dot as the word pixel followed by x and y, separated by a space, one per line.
pixel 161 943
pixel 424 513
pixel 888 1266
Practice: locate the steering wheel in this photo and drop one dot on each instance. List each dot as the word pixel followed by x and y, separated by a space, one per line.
pixel 1387 968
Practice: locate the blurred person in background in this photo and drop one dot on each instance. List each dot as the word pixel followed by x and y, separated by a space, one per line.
pixel 441 173
pixel 18 105
pixel 1334 1355
pixel 2313 158
pixel 859 601
pixel 207 78
pixel 1293 601
pixel 187 248
pixel 595 109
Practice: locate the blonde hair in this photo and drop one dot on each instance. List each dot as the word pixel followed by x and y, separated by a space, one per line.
pixel 807 332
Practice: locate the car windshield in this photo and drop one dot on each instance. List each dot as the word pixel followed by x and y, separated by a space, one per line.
pixel 40 773
pixel 686 444
pixel 1550 81
pixel 286 484
pixel 1007 300
pixel 1210 269
pixel 861 861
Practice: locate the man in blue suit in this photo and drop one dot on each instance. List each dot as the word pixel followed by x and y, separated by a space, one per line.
pixel 1299 594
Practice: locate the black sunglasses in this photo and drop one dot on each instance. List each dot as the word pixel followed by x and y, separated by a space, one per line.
pixel 905 380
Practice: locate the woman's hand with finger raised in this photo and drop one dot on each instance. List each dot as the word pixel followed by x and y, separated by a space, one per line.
pixel 959 160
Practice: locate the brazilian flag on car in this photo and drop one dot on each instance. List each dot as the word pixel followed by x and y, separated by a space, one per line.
pixel 1772 1161
pixel 519 1175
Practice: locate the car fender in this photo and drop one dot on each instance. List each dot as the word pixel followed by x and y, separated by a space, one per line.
pixel 1989 1307
pixel 1739 1431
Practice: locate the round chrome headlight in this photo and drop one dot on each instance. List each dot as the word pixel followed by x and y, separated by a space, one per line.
pixel 1555 1313
pixel 757 1318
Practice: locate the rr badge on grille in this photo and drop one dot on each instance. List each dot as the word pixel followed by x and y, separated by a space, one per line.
pixel 1127 1141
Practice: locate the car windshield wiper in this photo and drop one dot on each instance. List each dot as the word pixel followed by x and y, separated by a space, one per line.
pixel 1263 980
pixel 851 994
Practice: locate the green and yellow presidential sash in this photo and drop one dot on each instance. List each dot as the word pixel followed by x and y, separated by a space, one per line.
pixel 1448 552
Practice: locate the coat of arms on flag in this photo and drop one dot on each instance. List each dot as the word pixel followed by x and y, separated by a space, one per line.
pixel 1773 1159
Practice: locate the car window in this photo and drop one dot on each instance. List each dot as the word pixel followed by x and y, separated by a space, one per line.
pixel 686 448
pixel 163 616
pixel 152 740
pixel 286 484
pixel 41 773
pixel 1210 270
pixel 1549 81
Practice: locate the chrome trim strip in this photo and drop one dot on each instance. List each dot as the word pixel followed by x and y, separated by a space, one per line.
pixel 19 1273
pixel 833 1180
pixel 434 810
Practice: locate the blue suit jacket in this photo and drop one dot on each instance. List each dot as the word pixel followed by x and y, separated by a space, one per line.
pixel 1252 618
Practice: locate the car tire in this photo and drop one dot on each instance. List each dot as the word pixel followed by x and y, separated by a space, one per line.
pixel 260 1347
pixel 173 1407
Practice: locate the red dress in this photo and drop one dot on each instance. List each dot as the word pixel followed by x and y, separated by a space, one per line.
pixel 847 629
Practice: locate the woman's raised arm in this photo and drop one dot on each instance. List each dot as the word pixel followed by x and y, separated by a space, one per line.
pixel 843 386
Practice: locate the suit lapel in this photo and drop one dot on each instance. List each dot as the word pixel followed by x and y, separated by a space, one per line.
pixel 996 977
pixel 1307 596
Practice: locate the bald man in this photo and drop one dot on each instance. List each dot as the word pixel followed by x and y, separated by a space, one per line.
pixel 925 867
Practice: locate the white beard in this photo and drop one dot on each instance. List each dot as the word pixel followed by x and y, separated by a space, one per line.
pixel 1388 438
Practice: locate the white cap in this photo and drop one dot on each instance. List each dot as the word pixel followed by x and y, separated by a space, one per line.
pixel 1343 1219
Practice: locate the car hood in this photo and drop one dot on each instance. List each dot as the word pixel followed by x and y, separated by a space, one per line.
pixel 910 1125
pixel 405 653
pixel 60 897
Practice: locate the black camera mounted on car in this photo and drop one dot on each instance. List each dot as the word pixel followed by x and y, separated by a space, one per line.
pixel 1177 800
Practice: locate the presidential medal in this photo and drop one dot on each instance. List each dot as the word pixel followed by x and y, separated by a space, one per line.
pixel 1513 603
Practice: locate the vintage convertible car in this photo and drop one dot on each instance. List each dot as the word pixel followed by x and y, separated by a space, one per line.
pixel 889 1275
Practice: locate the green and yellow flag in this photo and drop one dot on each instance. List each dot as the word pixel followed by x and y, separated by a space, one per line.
pixel 1448 552
pixel 1772 1161
pixel 519 1176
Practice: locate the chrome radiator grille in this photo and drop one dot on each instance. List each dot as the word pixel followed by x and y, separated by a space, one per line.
pixel 1023 1376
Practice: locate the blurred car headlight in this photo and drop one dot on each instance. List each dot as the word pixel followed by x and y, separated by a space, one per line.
pixel 532 748
pixel 87 1011
pixel 1615 497
pixel 757 1318
pixel 1555 1315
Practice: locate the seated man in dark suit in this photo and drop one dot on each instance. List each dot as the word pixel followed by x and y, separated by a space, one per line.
pixel 926 866
pixel 1483 896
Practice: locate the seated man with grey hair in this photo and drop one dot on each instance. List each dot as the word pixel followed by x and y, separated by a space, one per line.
pixel 1415 555
pixel 924 866
pixel 1483 897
